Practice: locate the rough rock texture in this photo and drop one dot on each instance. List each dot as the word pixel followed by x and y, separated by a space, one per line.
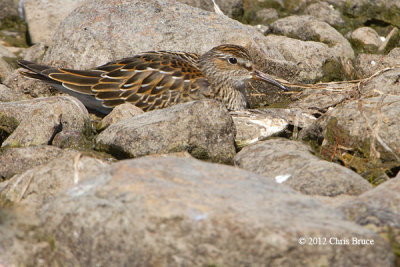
pixel 266 15
pixel 231 8
pixel 8 10
pixel 378 210
pixel 43 17
pixel 325 12
pixel 366 65
pixel 171 211
pixel 183 127
pixel 40 119
pixel 387 82
pixel 291 163
pixel 391 41
pixel 362 11
pixel 5 52
pixel 7 94
pixel 17 160
pixel 43 183
pixel 322 97
pixel 322 60
pixel 363 134
pixel 255 125
pixel 5 69
pixel 366 40
pixel 119 113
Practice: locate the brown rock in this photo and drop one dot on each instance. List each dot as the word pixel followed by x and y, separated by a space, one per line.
pixel 18 160
pixel 291 163
pixel 42 118
pixel 378 209
pixel 43 17
pixel 171 211
pixel 43 183
pixel 183 127
pixel 119 113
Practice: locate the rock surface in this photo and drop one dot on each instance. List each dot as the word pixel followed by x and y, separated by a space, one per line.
pixel 119 113
pixel 363 134
pixel 184 127
pixel 256 125
pixel 8 10
pixel 40 119
pixel 44 17
pixel 18 160
pixel 325 12
pixel 231 8
pixel 187 212
pixel 320 60
pixel 378 209
pixel 366 39
pixel 44 183
pixel 367 65
pixel 8 95
pixel 291 163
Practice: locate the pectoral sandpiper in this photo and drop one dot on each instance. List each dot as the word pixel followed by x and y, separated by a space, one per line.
pixel 158 79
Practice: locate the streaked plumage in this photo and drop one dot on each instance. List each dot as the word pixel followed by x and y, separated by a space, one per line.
pixel 158 79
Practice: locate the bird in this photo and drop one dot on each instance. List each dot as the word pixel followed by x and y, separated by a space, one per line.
pixel 158 79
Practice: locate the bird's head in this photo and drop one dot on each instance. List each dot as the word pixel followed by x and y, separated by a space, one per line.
pixel 233 66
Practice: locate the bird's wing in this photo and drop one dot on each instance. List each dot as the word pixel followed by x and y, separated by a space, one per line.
pixel 149 80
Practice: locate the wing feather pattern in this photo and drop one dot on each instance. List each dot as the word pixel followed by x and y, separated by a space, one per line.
pixel 149 80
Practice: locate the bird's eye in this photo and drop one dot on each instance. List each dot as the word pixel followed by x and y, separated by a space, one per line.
pixel 232 60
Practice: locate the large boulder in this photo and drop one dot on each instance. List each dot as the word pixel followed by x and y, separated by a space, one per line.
pixel 36 122
pixel 170 211
pixel 291 163
pixel 184 127
pixel 43 17
pixel 363 134
pixel 319 51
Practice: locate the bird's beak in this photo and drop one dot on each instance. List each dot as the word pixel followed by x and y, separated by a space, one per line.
pixel 261 76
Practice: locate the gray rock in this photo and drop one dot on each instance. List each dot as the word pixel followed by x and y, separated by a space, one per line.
pixel 29 87
pixel 316 101
pixel 362 134
pixel 8 10
pixel 325 12
pixel 266 15
pixel 366 40
pixel 391 41
pixel 43 17
pixel 35 52
pixel 361 11
pixel 387 82
pixel 307 28
pixel 171 211
pixel 33 187
pixel 322 60
pixel 291 163
pixel 18 160
pixel 256 125
pixel 378 209
pixel 5 52
pixel 7 94
pixel 5 69
pixel 231 8
pixel 204 128
pixel 367 65
pixel 40 119
pixel 119 113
